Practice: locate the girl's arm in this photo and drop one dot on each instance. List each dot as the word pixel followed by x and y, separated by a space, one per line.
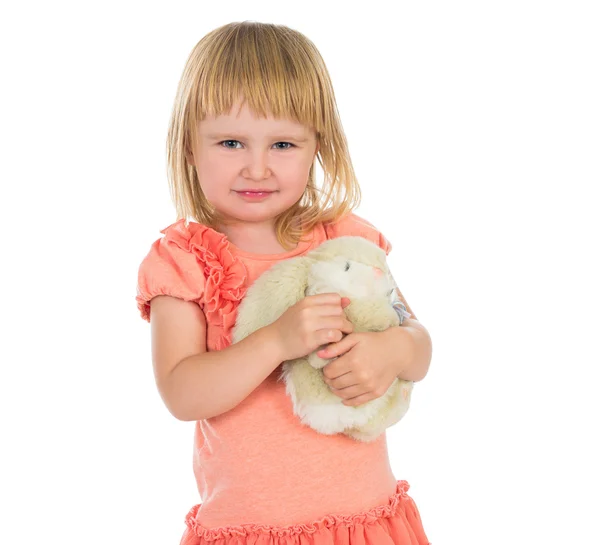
pixel 416 366
pixel 413 342
pixel 415 363
pixel 193 383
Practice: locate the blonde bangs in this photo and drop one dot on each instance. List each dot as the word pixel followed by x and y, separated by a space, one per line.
pixel 277 71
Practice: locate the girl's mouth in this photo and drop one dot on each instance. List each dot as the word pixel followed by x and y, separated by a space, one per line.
pixel 254 194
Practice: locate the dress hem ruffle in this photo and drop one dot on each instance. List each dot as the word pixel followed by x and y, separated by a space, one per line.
pixel 397 502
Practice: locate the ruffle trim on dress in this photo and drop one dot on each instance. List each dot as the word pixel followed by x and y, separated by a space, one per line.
pixel 396 502
pixel 225 274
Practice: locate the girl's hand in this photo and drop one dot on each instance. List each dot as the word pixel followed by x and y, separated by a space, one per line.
pixel 313 321
pixel 364 370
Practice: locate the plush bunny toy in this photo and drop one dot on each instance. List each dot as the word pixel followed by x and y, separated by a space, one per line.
pixel 355 268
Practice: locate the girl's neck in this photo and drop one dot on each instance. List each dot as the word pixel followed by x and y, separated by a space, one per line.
pixel 253 238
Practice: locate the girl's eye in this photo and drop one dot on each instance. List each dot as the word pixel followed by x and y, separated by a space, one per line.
pixel 289 144
pixel 228 141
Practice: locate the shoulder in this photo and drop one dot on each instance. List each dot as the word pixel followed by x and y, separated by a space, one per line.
pixel 176 248
pixel 192 262
pixel 170 267
pixel 352 224
pixel 191 237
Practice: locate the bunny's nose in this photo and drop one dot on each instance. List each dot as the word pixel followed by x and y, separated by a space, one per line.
pixel 378 272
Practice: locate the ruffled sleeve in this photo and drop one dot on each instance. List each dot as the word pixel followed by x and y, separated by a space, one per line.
pixel 353 225
pixel 170 268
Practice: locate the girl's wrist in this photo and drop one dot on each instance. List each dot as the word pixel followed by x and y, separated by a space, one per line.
pixel 273 338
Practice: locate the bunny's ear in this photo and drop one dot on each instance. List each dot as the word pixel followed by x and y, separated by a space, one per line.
pixel 272 293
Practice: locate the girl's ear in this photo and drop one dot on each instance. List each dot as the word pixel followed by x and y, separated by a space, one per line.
pixel 190 158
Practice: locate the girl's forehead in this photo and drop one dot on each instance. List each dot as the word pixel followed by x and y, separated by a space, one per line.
pixel 241 110
pixel 244 114
pixel 238 120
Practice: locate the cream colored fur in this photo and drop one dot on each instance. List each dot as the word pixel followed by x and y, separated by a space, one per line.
pixel 342 265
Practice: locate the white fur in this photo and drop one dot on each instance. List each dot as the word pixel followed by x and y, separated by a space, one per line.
pixel 344 265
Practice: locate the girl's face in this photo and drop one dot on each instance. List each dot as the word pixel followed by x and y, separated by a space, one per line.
pixel 241 153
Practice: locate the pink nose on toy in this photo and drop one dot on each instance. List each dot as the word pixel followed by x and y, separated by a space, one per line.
pixel 378 272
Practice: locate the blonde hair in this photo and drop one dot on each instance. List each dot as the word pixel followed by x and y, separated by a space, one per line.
pixel 276 70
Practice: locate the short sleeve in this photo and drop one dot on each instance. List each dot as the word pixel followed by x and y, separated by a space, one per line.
pixel 169 268
pixel 353 225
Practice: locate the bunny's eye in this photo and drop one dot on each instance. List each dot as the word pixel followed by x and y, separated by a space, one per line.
pixel 347 265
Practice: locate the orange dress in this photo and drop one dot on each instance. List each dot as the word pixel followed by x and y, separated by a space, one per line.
pixel 263 477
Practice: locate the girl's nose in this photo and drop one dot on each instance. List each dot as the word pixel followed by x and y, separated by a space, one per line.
pixel 378 272
pixel 258 168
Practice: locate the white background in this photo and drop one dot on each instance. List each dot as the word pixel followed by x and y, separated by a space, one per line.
pixel 474 130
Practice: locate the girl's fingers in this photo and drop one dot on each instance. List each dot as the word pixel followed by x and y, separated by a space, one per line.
pixel 329 335
pixel 333 322
pixel 348 327
pixel 355 402
pixel 330 310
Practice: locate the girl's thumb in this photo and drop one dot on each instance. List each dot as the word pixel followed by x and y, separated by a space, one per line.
pixel 345 302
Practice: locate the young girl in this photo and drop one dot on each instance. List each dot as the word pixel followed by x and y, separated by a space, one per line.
pixel 254 109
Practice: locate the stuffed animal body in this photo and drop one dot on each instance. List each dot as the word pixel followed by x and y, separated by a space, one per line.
pixel 355 268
